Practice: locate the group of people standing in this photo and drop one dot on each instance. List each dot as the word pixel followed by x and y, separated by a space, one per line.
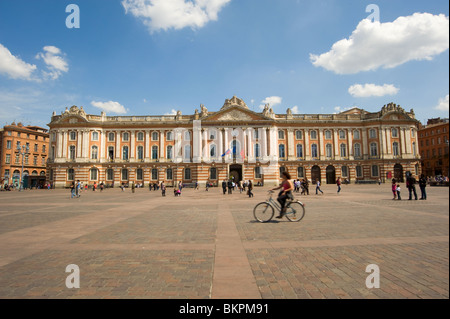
pixel 242 186
pixel 411 186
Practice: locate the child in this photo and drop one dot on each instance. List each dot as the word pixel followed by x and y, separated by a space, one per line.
pixel 394 189
pixel 398 189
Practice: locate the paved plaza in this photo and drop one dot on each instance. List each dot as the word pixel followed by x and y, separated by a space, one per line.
pixel 206 245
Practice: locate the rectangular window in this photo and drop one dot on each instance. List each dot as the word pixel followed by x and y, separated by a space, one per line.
pixel 8 145
pixel 169 174
pixel 258 174
pixel 213 173
pixel 110 174
pixel 139 174
pixel 300 172
pixel 8 159
pixel 187 174
pixel 154 174
pixel 124 174
pixel 375 171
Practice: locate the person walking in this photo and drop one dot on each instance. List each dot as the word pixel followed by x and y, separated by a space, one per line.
pixel 423 185
pixel 163 189
pixel 318 187
pixel 78 189
pixel 133 187
pixel 411 185
pixel 224 186
pixel 306 185
pixel 250 188
pixel 72 190
pixel 230 187
pixel 338 183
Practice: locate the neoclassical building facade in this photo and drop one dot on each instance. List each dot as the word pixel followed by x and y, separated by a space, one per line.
pixel 234 142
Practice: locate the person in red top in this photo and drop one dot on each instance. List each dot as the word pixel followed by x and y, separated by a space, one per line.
pixel 286 193
pixel 338 183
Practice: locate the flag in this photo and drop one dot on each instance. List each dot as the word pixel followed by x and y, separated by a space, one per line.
pixel 243 154
pixel 226 153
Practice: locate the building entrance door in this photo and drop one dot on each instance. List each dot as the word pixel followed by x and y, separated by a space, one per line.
pixel 236 173
pixel 331 175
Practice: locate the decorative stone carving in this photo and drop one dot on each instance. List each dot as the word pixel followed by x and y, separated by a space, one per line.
pixel 234 101
pixel 234 115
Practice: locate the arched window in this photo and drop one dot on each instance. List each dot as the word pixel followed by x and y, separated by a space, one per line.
pixel 169 152
pixel 357 150
pixel 343 150
pixel 257 150
pixel 72 152
pixel 299 150
pixel 329 150
pixel 314 153
pixel 395 149
pixel 187 152
pixel 394 132
pixel 94 152
pixel 125 153
pixel 212 151
pixel 140 152
pixel 281 151
pixel 154 152
pixel 373 149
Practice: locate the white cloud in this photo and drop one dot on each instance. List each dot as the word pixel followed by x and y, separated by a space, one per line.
pixel 110 107
pixel 272 100
pixel 14 67
pixel 295 110
pixel 372 45
pixel 174 14
pixel 173 112
pixel 368 90
pixel 443 104
pixel 56 64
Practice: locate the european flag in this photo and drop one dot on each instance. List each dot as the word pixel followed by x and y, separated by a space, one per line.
pixel 226 153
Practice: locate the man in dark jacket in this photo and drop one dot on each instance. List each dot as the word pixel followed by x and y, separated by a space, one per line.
pixel 224 186
pixel 411 185
pixel 423 185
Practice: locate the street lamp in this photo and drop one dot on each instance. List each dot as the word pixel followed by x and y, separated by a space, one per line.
pixel 24 150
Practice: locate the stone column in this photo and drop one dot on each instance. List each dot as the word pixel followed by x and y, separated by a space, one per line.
pixel 102 145
pixel 365 147
pixel 307 147
pixel 147 146
pixel 336 145
pixel 350 145
pixel 291 145
pixel 79 145
pixel 402 141
pixel 321 148
pixel 118 150
pixel 162 146
pixel 133 145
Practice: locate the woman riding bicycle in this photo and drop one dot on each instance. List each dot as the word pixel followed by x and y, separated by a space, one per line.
pixel 286 193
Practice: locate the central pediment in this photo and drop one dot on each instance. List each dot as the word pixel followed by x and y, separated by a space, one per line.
pixel 234 101
pixel 236 114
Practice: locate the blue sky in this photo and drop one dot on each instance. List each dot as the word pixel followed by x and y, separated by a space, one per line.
pixel 151 57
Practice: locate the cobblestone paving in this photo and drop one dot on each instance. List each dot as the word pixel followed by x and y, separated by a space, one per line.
pixel 207 245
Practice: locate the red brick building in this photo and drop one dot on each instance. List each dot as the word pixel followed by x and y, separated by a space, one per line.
pixel 34 162
pixel 434 147
pixel 234 142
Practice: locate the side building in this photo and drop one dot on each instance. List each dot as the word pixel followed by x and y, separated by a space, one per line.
pixel 234 142
pixel 434 147
pixel 33 142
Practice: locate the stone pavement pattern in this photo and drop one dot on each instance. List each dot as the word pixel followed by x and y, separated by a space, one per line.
pixel 207 245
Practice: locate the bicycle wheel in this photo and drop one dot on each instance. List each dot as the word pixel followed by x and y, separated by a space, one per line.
pixel 295 211
pixel 263 212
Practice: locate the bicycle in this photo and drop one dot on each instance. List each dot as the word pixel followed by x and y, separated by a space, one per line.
pixel 264 211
